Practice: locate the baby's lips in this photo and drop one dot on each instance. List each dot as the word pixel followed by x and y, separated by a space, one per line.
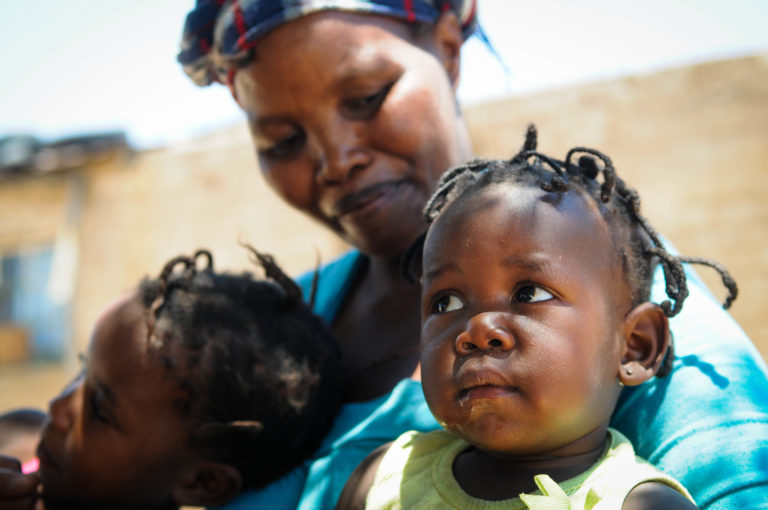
pixel 30 466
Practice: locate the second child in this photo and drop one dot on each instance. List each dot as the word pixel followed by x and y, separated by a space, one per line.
pixel 197 385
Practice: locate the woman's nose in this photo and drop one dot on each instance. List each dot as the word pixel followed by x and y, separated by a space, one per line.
pixel 486 331
pixel 344 152
pixel 60 408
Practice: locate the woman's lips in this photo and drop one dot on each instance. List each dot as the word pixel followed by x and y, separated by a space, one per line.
pixel 357 202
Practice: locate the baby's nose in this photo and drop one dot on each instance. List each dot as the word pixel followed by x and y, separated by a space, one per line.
pixel 487 331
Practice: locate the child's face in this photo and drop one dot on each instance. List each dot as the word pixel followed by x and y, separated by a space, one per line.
pixel 522 304
pixel 115 434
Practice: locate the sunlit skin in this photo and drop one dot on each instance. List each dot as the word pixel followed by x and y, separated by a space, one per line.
pixel 115 434
pixel 354 117
pixel 353 120
pixel 523 305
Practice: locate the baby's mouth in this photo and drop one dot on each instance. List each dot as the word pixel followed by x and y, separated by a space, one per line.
pixel 486 391
pixel 482 382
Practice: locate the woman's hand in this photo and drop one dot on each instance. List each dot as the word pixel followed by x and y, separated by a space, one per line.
pixel 17 490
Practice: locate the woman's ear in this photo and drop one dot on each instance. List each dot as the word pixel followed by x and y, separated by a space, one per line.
pixel 646 340
pixel 447 39
pixel 208 484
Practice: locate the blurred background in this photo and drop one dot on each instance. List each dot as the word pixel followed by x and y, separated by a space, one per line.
pixel 112 162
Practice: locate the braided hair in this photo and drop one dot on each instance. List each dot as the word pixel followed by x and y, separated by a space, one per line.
pixel 258 368
pixel 636 240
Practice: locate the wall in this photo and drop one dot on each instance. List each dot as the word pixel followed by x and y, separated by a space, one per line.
pixel 693 141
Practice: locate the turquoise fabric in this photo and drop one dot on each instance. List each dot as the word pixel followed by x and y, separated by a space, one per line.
pixel 706 424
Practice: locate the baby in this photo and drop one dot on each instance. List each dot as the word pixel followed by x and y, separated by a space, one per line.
pixel 535 313
pixel 196 386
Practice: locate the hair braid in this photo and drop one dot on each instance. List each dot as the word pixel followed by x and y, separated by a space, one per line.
pixel 725 277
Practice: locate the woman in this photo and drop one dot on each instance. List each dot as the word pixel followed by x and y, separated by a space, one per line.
pixel 353 113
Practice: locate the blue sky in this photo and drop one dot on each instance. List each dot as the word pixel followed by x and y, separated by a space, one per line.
pixel 76 66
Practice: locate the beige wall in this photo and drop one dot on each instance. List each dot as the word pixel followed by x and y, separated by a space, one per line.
pixel 693 141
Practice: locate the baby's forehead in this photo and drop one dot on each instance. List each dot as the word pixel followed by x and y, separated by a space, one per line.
pixel 522 200
pixel 122 320
pixel 122 307
pixel 508 214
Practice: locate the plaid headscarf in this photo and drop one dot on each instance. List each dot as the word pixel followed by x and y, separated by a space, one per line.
pixel 228 29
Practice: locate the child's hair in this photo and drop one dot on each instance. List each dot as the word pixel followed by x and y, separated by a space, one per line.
pixel 635 239
pixel 259 369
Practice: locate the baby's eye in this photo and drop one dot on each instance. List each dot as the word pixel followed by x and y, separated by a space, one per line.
pixel 447 303
pixel 531 294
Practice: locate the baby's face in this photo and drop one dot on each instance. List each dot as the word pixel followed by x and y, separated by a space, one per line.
pixel 523 299
pixel 115 434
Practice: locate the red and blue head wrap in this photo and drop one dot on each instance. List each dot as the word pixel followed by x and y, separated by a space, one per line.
pixel 229 29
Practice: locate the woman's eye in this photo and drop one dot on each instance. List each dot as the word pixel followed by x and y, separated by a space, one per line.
pixel 447 303
pixel 286 148
pixel 367 105
pixel 531 294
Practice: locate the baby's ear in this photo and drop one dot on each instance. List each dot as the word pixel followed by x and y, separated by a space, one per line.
pixel 646 340
pixel 208 484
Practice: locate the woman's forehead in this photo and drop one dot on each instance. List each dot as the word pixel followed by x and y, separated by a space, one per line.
pixel 322 54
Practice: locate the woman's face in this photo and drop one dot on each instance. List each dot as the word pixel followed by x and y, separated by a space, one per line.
pixel 354 118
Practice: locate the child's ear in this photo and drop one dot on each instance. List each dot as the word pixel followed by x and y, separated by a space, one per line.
pixel 208 484
pixel 447 38
pixel 646 337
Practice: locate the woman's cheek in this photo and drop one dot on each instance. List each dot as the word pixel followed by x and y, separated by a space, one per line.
pixel 291 182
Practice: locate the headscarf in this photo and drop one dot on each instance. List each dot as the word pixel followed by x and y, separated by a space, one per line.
pixel 219 34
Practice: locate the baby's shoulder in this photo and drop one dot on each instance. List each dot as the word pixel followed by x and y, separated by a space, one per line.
pixel 652 495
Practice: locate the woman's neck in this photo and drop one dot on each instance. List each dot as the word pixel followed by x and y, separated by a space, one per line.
pixel 378 330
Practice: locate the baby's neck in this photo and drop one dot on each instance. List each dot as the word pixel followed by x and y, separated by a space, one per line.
pixel 492 477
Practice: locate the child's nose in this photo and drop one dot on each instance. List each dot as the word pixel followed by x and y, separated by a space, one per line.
pixel 60 408
pixel 486 331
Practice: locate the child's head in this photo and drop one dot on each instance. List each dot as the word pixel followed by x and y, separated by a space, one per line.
pixel 535 287
pixel 196 386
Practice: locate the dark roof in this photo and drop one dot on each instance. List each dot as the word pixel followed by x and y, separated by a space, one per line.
pixel 28 154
